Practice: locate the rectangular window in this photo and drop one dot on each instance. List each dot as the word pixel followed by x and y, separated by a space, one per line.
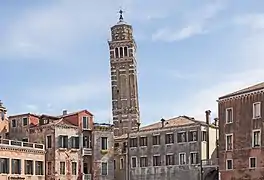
pixel 104 168
pixel 133 142
pixel 75 142
pixel 156 161
pixel 63 141
pixel 121 163
pixel 62 168
pixel 229 142
pixel 182 158
pixel 39 168
pixel 229 164
pixel 192 136
pixel 170 159
pixel 114 164
pixel 14 123
pixel 252 162
pixel 229 115
pixel 133 162
pixel 85 122
pixel 181 137
pixel 4 166
pixel 49 168
pixel 257 110
pixel 16 166
pixel 48 143
pixel 25 139
pixel 169 138
pixel 87 142
pixel 143 141
pixel 28 167
pixel 204 134
pixel 194 158
pixel 156 140
pixel 256 138
pixel 143 162
pixel 74 168
pixel 104 143
pixel 25 121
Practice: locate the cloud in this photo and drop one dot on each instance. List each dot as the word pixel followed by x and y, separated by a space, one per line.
pixel 195 23
pixel 254 21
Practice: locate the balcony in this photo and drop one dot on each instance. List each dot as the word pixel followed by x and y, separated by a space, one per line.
pixel 13 143
pixel 87 177
pixel 87 151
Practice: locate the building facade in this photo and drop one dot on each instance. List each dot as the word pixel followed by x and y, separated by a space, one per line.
pixel 171 149
pixel 241 131
pixel 21 160
pixel 125 104
pixel 4 124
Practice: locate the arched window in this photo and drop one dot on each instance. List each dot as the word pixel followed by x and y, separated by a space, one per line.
pixel 116 53
pixel 125 52
pixel 121 52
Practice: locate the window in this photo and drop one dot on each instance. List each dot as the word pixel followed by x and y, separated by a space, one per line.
pixel 87 142
pixel 16 166
pixel 143 141
pixel 4 165
pixel 63 141
pixel 104 143
pixel 25 121
pixel 257 110
pixel 170 159
pixel 133 162
pixel 116 53
pixel 229 164
pixel 74 168
pixel 29 167
pixel 192 136
pixel 229 142
pixel 133 142
pixel 49 168
pixel 156 161
pixel 143 162
pixel 182 158
pixel 121 52
pixel 256 138
pixel 62 168
pixel 181 137
pixel 156 140
pixel 194 158
pixel 14 124
pixel 252 162
pixel 39 168
pixel 121 163
pixel 48 141
pixel 114 164
pixel 229 115
pixel 169 139
pixel 85 122
pixel 25 139
pixel 75 142
pixel 104 168
pixel 125 51
pixel 204 134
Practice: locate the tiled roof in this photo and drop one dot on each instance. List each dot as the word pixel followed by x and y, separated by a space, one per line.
pixel 73 113
pixel 245 90
pixel 173 122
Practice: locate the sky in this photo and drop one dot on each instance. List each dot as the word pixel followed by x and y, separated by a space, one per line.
pixel 54 54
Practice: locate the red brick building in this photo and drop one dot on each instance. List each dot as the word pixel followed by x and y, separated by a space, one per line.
pixel 241 154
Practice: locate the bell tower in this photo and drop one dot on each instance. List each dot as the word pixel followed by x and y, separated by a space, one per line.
pixel 125 105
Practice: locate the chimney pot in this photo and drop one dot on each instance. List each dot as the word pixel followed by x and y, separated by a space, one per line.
pixel 162 122
pixel 64 112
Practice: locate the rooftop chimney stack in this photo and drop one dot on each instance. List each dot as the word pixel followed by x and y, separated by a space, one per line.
pixel 162 122
pixel 64 112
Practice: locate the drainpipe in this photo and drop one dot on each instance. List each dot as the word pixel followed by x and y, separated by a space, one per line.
pixel 207 114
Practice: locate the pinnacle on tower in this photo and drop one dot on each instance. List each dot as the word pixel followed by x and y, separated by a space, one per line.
pixel 121 15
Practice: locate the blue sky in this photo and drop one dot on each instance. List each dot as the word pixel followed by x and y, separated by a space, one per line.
pixel 54 54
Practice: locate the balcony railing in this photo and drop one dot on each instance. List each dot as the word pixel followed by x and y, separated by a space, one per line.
pixel 8 142
pixel 87 177
pixel 87 151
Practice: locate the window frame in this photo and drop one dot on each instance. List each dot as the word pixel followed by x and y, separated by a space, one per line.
pixel 249 162
pixel 133 157
pixel 253 131
pixel 76 167
pixel 197 157
pixel 226 115
pixel 87 122
pixel 254 111
pixel 7 164
pixel 47 141
pixel 180 134
pixel 140 161
pixel 173 159
pixel 64 168
pixel 104 146
pixel 230 134
pixel 41 173
pixel 182 153
pixel 173 139
pixel 157 143
pixel 25 167
pixel 143 141
pixel 15 124
pixel 104 174
pixel 158 160
pixel 231 164
pixel 121 165
pixel 23 121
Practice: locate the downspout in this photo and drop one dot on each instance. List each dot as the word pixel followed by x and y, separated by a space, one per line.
pixel 207 114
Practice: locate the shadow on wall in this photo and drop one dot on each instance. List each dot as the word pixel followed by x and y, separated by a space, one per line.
pixel 211 175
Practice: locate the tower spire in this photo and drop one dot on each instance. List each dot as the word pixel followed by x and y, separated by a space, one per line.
pixel 121 15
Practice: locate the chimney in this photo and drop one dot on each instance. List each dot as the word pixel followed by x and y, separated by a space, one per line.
pixel 207 117
pixel 64 112
pixel 138 125
pixel 162 122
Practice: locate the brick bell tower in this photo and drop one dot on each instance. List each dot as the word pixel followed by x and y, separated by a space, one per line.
pixel 125 105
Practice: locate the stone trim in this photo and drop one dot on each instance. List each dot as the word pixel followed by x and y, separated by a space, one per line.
pixel 33 151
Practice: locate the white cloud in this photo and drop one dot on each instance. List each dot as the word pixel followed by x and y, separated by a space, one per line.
pixel 195 23
pixel 254 21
